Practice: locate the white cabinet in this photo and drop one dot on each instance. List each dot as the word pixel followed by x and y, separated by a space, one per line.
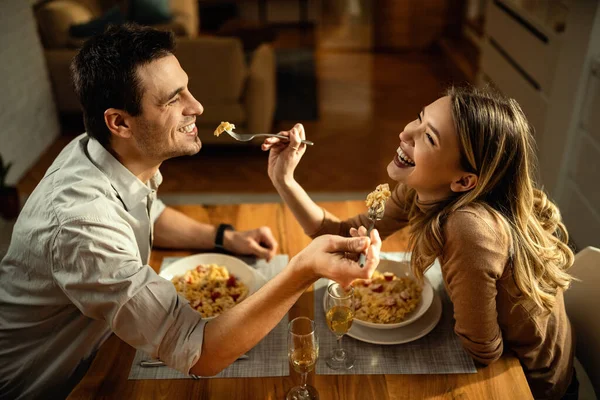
pixel 570 157
pixel 578 184
pixel 546 55
pixel 519 54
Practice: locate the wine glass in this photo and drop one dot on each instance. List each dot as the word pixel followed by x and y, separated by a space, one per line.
pixel 303 352
pixel 340 314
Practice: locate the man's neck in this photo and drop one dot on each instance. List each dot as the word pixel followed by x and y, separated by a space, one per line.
pixel 143 169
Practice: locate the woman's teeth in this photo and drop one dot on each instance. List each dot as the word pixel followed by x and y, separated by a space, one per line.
pixel 188 128
pixel 404 159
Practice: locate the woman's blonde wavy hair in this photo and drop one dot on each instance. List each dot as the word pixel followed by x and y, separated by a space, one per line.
pixel 496 143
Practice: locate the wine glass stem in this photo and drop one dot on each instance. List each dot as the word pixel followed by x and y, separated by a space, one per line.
pixel 340 351
pixel 303 377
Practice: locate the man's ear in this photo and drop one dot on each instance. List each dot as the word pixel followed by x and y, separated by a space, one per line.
pixel 118 122
pixel 464 183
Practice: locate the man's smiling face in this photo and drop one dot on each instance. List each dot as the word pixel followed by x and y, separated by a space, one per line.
pixel 166 125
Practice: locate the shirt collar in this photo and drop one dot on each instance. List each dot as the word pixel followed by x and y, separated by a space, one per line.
pixel 129 188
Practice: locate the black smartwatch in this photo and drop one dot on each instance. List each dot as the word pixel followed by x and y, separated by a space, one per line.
pixel 220 233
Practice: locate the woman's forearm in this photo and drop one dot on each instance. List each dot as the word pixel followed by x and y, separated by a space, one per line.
pixel 306 211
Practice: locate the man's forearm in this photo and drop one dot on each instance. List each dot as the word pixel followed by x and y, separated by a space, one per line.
pixel 176 230
pixel 242 327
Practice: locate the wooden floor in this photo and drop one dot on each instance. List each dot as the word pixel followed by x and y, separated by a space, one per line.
pixel 365 100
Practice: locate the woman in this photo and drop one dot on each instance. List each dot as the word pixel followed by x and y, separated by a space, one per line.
pixel 465 172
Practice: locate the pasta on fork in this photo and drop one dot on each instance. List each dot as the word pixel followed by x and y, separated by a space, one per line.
pixel 224 126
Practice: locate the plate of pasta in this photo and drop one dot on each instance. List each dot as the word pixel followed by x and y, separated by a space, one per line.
pixel 213 283
pixel 405 334
pixel 392 298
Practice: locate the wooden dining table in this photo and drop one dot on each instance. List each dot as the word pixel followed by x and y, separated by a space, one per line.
pixel 108 374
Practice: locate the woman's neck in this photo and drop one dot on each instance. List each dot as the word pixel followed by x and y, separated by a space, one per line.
pixel 430 198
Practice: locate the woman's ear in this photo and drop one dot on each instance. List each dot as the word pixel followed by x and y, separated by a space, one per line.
pixel 464 183
pixel 117 122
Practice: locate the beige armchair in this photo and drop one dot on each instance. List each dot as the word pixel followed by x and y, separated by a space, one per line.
pixel 230 88
pixel 55 18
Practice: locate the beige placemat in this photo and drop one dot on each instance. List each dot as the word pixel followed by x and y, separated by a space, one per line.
pixel 267 358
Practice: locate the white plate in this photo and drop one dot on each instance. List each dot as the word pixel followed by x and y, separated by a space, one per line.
pixel 402 269
pixel 404 334
pixel 249 276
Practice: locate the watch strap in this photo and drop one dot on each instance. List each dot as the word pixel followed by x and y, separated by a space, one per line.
pixel 221 233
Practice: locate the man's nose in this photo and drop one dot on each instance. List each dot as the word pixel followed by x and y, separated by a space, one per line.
pixel 195 107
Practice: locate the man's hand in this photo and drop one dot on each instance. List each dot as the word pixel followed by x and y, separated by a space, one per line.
pixel 334 257
pixel 258 242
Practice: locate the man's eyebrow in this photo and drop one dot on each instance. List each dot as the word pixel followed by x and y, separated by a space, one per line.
pixel 172 94
pixel 437 133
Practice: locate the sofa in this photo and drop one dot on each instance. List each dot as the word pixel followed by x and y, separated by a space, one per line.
pixel 231 85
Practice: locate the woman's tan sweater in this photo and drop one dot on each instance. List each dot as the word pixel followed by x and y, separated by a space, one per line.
pixel 477 273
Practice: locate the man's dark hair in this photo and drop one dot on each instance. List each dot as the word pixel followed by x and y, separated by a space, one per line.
pixel 104 72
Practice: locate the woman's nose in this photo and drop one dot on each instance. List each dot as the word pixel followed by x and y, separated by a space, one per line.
pixel 407 136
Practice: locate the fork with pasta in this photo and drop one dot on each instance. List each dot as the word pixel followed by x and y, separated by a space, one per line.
pixel 376 206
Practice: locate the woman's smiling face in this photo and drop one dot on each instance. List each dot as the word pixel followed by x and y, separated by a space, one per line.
pixel 428 158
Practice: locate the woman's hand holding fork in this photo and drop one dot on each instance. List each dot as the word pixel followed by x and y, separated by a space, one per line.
pixel 284 156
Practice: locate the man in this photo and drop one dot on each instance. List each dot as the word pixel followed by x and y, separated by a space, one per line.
pixel 76 270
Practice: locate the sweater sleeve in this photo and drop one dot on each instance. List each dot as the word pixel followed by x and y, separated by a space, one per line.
pixel 394 218
pixel 475 254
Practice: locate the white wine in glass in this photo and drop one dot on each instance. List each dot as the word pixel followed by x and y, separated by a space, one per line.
pixel 339 319
pixel 303 353
pixel 339 316
pixel 303 360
